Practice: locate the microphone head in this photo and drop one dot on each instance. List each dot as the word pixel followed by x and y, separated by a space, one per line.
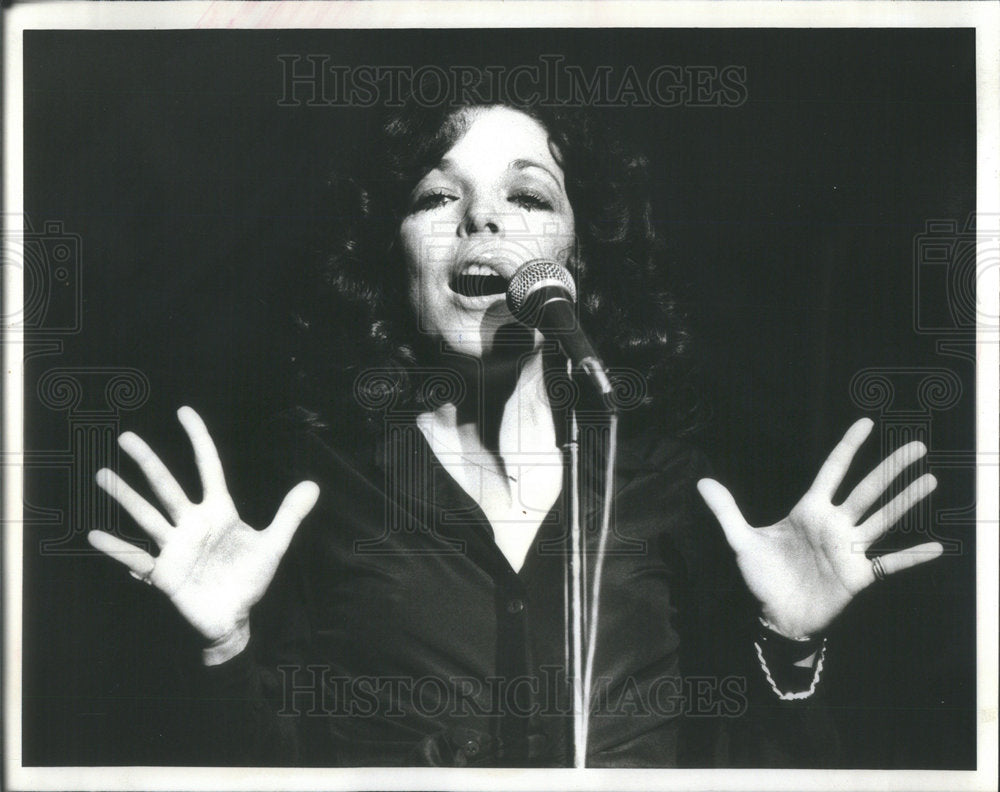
pixel 533 276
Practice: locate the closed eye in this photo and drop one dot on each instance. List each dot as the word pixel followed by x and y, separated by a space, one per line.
pixel 431 200
pixel 530 200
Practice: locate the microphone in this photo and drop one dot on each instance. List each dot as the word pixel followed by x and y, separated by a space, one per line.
pixel 542 295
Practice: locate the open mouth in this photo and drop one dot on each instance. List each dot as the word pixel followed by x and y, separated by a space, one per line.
pixel 478 280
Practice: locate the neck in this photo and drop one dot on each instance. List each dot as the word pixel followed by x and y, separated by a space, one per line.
pixel 504 398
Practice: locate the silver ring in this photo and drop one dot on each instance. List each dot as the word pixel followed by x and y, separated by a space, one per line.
pixel 146 578
pixel 878 569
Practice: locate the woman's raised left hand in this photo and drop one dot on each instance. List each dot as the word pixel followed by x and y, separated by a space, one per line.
pixel 806 568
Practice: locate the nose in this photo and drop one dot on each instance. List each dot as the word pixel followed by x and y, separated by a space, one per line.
pixel 481 217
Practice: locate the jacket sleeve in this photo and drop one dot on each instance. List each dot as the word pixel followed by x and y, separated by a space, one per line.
pixel 254 708
pixel 262 707
pixel 717 619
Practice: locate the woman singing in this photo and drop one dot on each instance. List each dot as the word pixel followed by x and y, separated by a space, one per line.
pixel 416 589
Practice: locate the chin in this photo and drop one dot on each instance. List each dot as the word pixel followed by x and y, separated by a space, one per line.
pixel 467 347
pixel 509 339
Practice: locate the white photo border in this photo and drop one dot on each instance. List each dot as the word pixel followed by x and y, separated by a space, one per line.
pixel 983 16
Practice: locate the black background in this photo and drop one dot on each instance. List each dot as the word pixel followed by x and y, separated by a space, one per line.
pixel 791 221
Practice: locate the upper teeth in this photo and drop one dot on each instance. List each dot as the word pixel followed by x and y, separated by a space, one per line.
pixel 479 269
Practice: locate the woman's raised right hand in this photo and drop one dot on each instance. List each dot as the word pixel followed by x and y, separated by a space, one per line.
pixel 212 565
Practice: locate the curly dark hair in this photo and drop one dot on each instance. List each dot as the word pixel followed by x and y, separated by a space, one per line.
pixel 357 298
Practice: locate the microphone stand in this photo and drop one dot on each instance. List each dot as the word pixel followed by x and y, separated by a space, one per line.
pixel 582 618
pixel 576 564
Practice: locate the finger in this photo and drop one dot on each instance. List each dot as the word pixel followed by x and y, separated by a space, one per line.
pixel 139 562
pixel 890 514
pixel 878 481
pixel 173 498
pixel 724 507
pixel 836 465
pixel 213 481
pixel 293 510
pixel 148 518
pixel 904 559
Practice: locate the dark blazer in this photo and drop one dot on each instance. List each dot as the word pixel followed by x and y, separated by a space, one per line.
pixel 397 633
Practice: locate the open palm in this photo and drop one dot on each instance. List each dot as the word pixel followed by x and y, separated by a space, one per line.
pixel 806 568
pixel 212 565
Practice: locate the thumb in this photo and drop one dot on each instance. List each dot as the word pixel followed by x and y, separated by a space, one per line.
pixel 724 507
pixel 293 510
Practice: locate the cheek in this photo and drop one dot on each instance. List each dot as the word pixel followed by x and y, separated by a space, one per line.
pixel 426 250
pixel 410 243
pixel 556 237
pixel 428 263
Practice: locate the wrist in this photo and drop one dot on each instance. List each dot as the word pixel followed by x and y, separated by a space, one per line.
pixel 228 646
pixel 784 649
pixel 783 632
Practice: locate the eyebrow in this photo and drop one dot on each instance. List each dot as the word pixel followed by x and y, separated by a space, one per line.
pixel 447 164
pixel 521 164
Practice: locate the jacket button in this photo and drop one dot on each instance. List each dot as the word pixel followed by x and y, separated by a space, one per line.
pixel 471 748
pixel 515 605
